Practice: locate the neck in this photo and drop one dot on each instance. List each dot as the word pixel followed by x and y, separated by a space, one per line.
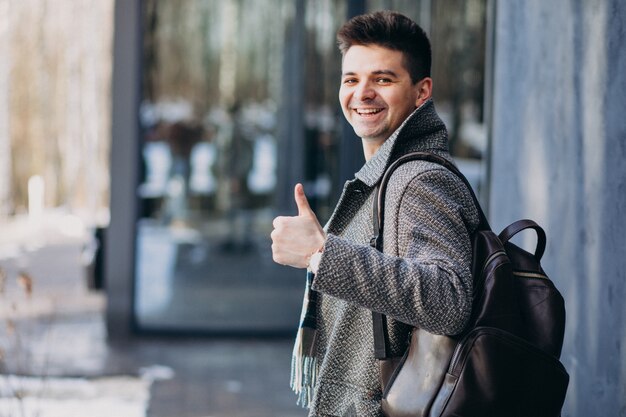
pixel 370 147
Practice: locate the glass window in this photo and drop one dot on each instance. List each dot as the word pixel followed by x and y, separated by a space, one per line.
pixel 457 32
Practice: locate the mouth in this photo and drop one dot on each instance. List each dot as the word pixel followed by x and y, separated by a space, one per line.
pixel 368 112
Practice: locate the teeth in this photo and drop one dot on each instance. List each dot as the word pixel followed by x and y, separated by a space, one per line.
pixel 368 111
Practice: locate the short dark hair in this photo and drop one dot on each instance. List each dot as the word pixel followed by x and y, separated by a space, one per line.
pixel 390 30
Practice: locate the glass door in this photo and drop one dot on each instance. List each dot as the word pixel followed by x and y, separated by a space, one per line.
pixel 224 142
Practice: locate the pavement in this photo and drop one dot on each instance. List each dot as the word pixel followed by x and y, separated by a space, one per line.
pixel 54 331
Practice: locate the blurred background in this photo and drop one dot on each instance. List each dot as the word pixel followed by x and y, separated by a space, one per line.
pixel 146 145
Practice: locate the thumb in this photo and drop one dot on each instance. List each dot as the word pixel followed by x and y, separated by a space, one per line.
pixel 303 204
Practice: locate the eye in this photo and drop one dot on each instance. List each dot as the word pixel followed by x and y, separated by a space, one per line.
pixel 350 81
pixel 383 80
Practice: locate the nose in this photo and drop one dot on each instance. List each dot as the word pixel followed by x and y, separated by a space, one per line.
pixel 364 91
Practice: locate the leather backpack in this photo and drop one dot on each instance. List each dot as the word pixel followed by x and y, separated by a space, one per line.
pixel 506 362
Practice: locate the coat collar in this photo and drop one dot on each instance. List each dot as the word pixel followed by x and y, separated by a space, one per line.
pixel 423 130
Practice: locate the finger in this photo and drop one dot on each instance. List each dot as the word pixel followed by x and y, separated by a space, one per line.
pixel 304 209
pixel 277 222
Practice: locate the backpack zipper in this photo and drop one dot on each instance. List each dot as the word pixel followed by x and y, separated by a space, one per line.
pixel 530 275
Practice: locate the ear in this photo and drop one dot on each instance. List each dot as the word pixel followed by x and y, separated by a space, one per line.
pixel 424 91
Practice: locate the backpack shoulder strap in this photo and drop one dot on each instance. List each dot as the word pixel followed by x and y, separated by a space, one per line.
pixel 379 321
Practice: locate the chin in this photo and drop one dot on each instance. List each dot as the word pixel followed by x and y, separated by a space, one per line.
pixel 373 136
pixel 369 132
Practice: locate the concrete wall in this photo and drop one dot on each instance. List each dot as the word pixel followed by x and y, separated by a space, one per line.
pixel 559 157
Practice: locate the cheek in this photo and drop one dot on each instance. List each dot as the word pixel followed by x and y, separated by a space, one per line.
pixel 342 97
pixel 404 103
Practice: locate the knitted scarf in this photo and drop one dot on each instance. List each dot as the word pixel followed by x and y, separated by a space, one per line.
pixel 303 361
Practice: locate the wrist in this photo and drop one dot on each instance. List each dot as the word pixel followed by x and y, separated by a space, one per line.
pixel 314 260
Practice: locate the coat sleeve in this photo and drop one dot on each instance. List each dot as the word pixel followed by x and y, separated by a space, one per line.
pixel 424 276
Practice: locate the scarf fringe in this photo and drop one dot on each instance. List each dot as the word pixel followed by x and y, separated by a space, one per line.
pixel 303 378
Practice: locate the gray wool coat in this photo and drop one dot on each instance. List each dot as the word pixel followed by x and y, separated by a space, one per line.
pixel 423 278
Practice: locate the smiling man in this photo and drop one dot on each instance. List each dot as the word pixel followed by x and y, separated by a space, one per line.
pixel 422 278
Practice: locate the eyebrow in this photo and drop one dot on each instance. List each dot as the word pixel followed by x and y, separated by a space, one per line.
pixel 377 72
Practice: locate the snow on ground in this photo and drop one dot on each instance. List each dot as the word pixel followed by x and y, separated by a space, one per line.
pixel 118 396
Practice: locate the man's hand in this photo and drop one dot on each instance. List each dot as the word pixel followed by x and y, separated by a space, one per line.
pixel 295 239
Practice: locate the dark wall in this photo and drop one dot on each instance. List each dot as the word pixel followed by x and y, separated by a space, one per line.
pixel 120 242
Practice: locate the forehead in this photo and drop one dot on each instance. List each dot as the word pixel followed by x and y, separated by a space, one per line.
pixel 372 58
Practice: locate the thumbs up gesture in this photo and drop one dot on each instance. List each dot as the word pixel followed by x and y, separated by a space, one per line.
pixel 295 239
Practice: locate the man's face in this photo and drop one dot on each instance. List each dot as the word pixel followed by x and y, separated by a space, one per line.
pixel 376 92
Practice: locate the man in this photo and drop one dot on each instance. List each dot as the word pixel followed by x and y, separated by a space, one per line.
pixel 423 278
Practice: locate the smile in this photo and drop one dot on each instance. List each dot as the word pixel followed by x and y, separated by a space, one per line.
pixel 366 112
